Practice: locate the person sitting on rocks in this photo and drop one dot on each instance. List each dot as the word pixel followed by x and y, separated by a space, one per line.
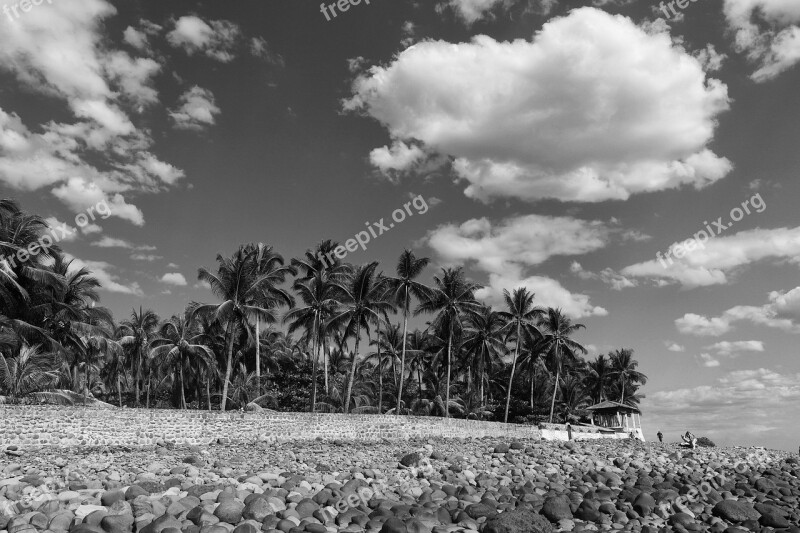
pixel 689 441
pixel 660 436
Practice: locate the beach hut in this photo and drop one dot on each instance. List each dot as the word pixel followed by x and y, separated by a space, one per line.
pixel 616 416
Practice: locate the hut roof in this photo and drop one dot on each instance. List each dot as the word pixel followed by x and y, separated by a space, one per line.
pixel 608 405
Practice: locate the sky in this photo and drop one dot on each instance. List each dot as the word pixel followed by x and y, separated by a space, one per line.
pixel 634 164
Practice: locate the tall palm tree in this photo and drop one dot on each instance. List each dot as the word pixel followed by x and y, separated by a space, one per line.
pixel 179 345
pixel 137 332
pixel 452 299
pixel 483 344
pixel 401 291
pixel 249 291
pixel 558 344
pixel 362 300
pixel 623 367
pixel 520 321
pixel 318 305
pixel 389 344
pixel 597 376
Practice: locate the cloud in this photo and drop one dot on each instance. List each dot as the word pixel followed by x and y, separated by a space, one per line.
pixel 216 39
pixel 718 258
pixel 261 49
pixel 781 312
pixel 59 51
pixel 174 278
pixel 197 110
pixel 80 195
pixel 505 249
pixel 768 32
pixel 471 11
pixel 745 407
pixel 109 281
pixel 112 242
pixel 146 257
pixel 675 347
pixel 614 280
pixel 139 38
pixel 594 108
pixel 729 349
pixel 54 224
pixel 708 361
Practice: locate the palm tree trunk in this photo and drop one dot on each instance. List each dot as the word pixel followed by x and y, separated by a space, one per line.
pixel 326 362
pixel 533 378
pixel 402 357
pixel 352 370
pixel 314 365
pixel 149 383
pixel 258 358
pixel 183 394
pixel 513 369
pixel 208 393
pixel 419 379
pixel 447 383
pixel 555 386
pixel 137 374
pixel 622 400
pixel 119 388
pixel 228 368
pixel 380 370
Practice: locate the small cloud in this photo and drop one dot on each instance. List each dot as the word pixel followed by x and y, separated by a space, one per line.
pixel 197 110
pixel 674 347
pixel 146 257
pixel 202 285
pixel 112 242
pixel 708 361
pixel 174 278
pixel 261 49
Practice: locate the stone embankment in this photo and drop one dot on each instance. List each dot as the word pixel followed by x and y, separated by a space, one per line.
pixel 71 426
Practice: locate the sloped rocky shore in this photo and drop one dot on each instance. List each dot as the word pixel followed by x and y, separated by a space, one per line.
pixel 423 486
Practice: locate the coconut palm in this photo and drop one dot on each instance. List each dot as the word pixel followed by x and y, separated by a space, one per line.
pixel 483 344
pixel 137 333
pixel 178 346
pixel 389 344
pixel 249 290
pixel 623 368
pixel 362 300
pixel 31 370
pixel 520 321
pixel 597 378
pixel 557 330
pixel 453 299
pixel 401 290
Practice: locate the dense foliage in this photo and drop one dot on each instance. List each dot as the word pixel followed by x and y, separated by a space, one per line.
pixel 296 335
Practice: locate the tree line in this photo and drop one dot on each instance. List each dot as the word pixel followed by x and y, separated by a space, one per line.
pixel 297 334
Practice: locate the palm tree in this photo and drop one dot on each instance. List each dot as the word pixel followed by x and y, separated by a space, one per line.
pixel 32 370
pixel 319 304
pixel 597 376
pixel 519 320
pixel 483 344
pixel 452 299
pixel 401 290
pixel 623 367
pixel 178 345
pixel 558 344
pixel 362 301
pixel 137 332
pixel 389 344
pixel 248 288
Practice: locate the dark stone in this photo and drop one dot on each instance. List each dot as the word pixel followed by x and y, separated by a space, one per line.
pixel 110 496
pixel 412 459
pixel 230 511
pixel 256 509
pixel 478 510
pixel 518 521
pixel 735 511
pixel 394 525
pixel 557 508
pixel 117 523
pixel 502 448
pixel 134 491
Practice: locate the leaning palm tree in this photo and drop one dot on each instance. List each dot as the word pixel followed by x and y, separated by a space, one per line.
pixel 30 371
pixel 136 334
pixel 249 290
pixel 623 367
pixel 558 344
pixel 453 299
pixel 401 291
pixel 179 345
pixel 520 319
pixel 362 301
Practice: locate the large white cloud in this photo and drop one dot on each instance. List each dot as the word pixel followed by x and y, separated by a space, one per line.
pixel 713 262
pixel 768 31
pixel 58 49
pixel 781 312
pixel 217 39
pixel 505 249
pixel 593 108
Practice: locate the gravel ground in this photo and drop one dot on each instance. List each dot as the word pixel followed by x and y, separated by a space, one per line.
pixel 430 486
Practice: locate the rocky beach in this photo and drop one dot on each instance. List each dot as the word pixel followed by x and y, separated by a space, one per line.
pixel 399 486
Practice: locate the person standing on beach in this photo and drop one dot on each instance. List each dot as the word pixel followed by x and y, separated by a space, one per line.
pixel 660 436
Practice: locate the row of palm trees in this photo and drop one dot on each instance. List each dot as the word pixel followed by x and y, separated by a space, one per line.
pixel 280 331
